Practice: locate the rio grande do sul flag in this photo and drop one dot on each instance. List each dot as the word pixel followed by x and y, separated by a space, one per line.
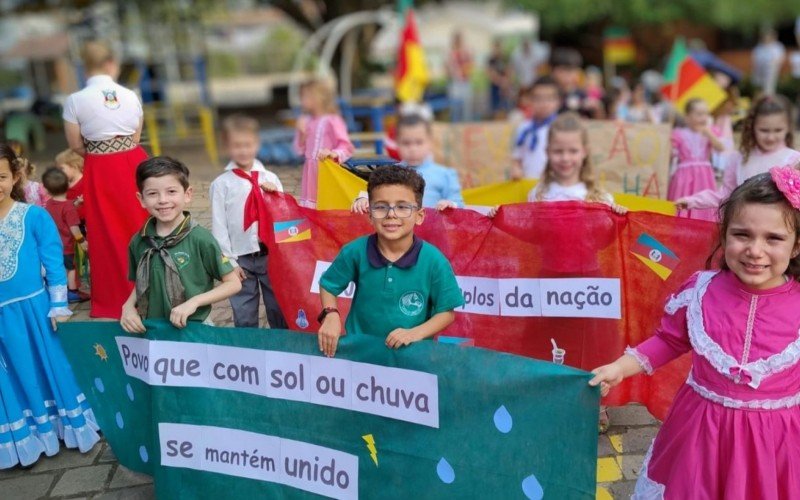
pixel 653 254
pixel 411 74
pixel 685 78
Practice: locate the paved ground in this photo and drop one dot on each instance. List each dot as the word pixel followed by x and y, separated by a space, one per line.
pixel 97 475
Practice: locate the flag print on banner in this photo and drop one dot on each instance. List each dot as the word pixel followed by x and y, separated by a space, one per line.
pixel 292 230
pixel 655 255
pixel 535 271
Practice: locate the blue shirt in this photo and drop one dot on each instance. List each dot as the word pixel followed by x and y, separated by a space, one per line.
pixel 441 183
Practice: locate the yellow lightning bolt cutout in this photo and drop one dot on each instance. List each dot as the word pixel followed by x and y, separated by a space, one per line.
pixel 100 352
pixel 373 452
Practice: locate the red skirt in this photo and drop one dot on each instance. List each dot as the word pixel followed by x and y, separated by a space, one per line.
pixel 113 216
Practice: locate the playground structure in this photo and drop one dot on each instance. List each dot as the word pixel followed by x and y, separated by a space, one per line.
pixel 373 106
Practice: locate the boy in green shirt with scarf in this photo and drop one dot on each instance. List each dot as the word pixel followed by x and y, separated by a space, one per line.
pixel 173 261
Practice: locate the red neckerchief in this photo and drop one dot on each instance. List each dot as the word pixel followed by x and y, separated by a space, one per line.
pixel 255 209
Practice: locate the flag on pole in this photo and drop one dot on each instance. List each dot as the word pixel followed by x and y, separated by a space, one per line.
pixel 618 46
pixel 411 74
pixel 685 78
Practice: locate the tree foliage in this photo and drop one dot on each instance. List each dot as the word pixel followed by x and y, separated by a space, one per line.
pixel 744 15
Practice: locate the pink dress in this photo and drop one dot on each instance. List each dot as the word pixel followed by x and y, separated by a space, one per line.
pixel 35 194
pixel 737 172
pixel 733 430
pixel 322 132
pixel 694 172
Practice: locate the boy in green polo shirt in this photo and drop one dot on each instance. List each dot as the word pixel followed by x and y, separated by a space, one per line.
pixel 173 261
pixel 405 288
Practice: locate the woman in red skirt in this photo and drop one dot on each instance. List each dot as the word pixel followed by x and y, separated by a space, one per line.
pixel 103 122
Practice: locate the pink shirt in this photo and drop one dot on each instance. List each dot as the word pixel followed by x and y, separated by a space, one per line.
pixel 35 194
pixel 691 148
pixel 717 317
pixel 322 132
pixel 736 173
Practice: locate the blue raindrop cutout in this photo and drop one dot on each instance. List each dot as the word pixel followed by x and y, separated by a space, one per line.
pixel 143 454
pixel 98 382
pixel 130 391
pixel 503 420
pixel 302 321
pixel 532 489
pixel 445 471
pixel 120 422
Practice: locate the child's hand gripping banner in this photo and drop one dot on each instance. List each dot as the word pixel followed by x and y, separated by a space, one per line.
pixel 249 413
pixel 594 281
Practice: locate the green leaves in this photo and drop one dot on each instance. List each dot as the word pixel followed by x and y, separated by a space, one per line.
pixel 744 15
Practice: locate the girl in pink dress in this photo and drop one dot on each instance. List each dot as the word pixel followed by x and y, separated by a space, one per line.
pixel 320 134
pixel 732 430
pixel 766 142
pixel 692 147
pixel 35 193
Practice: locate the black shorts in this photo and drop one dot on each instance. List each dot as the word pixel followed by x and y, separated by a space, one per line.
pixel 69 262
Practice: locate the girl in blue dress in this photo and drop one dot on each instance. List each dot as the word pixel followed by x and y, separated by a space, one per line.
pixel 40 402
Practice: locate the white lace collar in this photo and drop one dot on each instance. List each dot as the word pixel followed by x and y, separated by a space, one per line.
pixel 12 233
pixel 723 362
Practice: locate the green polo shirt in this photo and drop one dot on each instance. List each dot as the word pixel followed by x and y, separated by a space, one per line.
pixel 389 295
pixel 199 261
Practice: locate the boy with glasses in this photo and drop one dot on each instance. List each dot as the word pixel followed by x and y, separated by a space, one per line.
pixel 405 288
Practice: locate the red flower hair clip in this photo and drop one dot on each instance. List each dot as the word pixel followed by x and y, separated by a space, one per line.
pixel 788 181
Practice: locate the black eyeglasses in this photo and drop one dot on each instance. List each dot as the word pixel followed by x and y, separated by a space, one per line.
pixel 402 211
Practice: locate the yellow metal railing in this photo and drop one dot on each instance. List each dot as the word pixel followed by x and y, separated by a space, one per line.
pixel 177 124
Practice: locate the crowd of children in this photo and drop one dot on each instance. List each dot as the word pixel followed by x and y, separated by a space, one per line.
pixel 104 197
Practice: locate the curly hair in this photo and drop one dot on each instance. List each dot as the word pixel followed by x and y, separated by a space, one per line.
pixel 571 122
pixel 71 158
pixel 767 105
pixel 759 189
pixel 16 166
pixel 396 175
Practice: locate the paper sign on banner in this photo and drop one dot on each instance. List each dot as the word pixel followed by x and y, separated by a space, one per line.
pixel 287 376
pixel 581 298
pixel 407 395
pixel 330 472
pixel 319 269
pixel 135 356
pixel 481 295
pixel 234 452
pixel 520 297
pixel 179 364
pixel 331 385
pixel 412 396
pixel 237 369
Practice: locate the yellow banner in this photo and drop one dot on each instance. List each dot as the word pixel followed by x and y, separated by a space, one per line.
pixel 338 187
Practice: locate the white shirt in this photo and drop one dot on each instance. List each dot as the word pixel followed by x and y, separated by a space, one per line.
pixel 533 162
pixel 526 64
pixel 557 192
pixel 104 109
pixel 228 195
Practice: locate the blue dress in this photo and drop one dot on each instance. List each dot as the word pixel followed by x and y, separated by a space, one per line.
pixel 40 402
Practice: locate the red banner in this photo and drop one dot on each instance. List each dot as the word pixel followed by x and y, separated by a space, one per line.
pixel 577 273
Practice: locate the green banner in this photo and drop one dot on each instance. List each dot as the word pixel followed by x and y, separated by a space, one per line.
pixel 226 413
